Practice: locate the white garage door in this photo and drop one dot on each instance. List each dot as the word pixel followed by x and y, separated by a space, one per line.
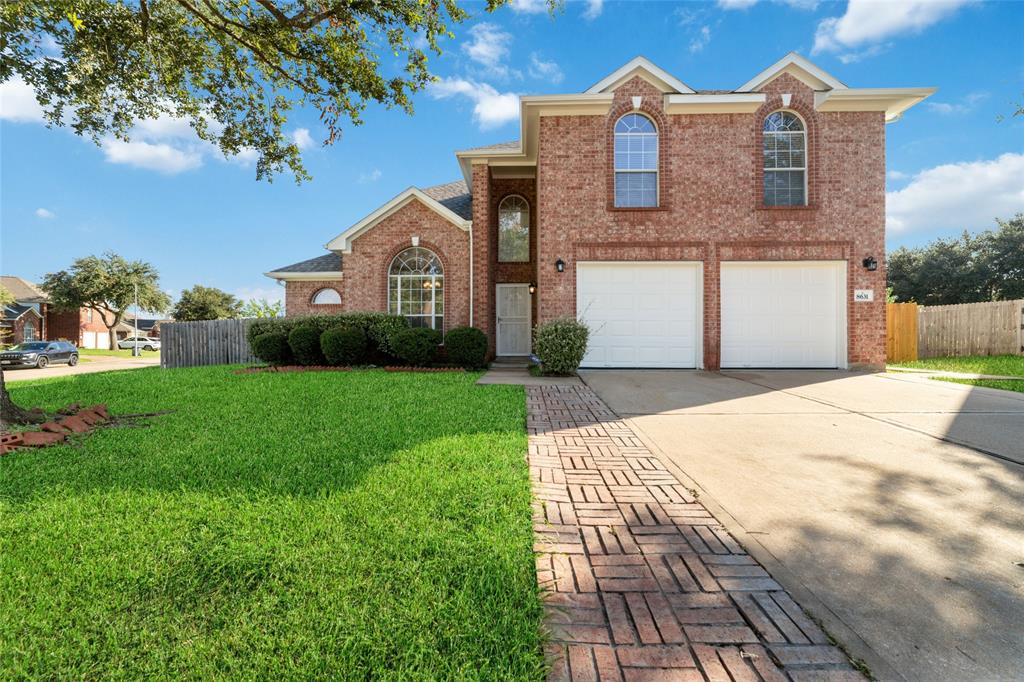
pixel 641 314
pixel 88 339
pixel 103 340
pixel 784 314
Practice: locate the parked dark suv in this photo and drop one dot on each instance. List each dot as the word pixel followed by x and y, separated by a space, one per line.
pixel 39 354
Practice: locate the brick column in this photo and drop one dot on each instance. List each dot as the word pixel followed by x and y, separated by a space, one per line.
pixel 483 282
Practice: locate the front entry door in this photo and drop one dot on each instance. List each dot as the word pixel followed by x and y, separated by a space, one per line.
pixel 513 311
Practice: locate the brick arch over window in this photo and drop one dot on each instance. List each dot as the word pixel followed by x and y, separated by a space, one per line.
pixel 660 121
pixel 810 121
pixel 385 269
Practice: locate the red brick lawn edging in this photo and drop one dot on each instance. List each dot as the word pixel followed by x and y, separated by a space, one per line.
pixel 641 582
pixel 75 420
pixel 292 368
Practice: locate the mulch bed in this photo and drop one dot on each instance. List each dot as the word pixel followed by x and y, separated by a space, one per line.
pixel 328 368
pixel 423 369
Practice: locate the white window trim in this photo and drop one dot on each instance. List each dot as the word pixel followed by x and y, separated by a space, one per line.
pixel 529 228
pixel 657 161
pixel 396 308
pixel 323 290
pixel 807 154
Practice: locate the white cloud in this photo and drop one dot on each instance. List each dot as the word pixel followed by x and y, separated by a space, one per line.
pixel 272 294
pixel 701 40
pixel 302 138
pixel 960 196
pixel 542 70
pixel 529 6
pixel 490 107
pixel 488 46
pixel 593 10
pixel 870 21
pixel 45 214
pixel 897 175
pixel 372 176
pixel 160 157
pixel 18 102
pixel 736 4
pixel 964 106
pixel 747 4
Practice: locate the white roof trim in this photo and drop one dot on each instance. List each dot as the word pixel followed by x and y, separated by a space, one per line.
pixel 744 102
pixel 668 82
pixel 343 242
pixel 792 59
pixel 893 101
pixel 286 276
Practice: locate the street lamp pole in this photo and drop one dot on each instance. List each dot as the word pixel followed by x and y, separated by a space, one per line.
pixel 135 348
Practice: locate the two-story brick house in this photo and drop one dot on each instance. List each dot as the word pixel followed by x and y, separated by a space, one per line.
pixel 724 228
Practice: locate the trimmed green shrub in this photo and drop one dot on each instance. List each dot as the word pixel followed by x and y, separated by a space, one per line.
pixel 417 347
pixel 561 344
pixel 379 328
pixel 466 347
pixel 304 341
pixel 272 347
pixel 344 346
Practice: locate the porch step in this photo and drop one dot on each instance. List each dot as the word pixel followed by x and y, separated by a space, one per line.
pixel 510 363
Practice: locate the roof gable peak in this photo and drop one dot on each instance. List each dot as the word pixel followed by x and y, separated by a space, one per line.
pixel 646 69
pixel 800 68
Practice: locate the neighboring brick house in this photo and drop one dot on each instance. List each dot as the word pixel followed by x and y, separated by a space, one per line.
pixel 724 228
pixel 82 327
pixel 25 318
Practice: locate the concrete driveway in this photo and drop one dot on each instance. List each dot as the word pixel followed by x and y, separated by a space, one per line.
pixel 891 506
pixel 97 363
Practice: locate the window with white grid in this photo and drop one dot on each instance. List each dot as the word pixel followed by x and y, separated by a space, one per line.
pixel 513 230
pixel 416 288
pixel 636 162
pixel 785 160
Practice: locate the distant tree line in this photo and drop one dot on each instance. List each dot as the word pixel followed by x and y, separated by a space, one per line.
pixel 968 269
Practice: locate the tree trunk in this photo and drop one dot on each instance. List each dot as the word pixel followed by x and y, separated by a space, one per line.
pixel 10 413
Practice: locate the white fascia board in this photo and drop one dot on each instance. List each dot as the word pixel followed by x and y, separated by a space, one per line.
pixel 664 80
pixel 343 242
pixel 733 103
pixel 285 276
pixel 892 101
pixel 792 59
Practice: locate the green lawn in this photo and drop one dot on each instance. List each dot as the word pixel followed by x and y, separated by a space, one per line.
pixel 1004 365
pixel 310 525
pixel 120 353
pixel 1004 384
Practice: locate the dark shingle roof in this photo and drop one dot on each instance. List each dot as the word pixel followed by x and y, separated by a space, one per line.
pixel 15 310
pixel 454 196
pixel 330 262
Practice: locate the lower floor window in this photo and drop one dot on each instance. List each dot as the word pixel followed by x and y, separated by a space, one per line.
pixel 416 288
pixel 784 188
pixel 28 332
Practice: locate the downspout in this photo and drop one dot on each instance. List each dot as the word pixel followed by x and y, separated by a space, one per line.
pixel 470 273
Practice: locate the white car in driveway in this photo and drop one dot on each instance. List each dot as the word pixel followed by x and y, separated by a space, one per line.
pixel 143 342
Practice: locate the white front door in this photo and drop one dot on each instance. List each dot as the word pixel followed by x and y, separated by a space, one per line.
pixel 514 319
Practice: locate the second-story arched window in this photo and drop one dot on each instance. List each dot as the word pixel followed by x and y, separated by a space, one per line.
pixel 513 230
pixel 785 160
pixel 636 162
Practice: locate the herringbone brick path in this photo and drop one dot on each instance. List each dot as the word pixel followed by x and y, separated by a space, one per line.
pixel 641 582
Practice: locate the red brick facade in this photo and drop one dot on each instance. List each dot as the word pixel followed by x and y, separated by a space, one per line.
pixel 70 325
pixel 710 210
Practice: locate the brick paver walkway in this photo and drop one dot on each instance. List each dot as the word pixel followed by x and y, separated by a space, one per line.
pixel 640 580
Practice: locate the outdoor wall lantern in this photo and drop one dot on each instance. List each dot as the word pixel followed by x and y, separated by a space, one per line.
pixel 870 263
pixel 560 265
pixel 533 288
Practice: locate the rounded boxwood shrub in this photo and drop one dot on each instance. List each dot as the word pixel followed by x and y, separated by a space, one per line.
pixel 304 341
pixel 272 347
pixel 561 344
pixel 467 347
pixel 344 346
pixel 417 347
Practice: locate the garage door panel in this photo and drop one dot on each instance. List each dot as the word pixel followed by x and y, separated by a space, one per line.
pixel 783 314
pixel 640 314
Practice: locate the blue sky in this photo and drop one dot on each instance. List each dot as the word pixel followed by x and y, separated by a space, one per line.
pixel 203 220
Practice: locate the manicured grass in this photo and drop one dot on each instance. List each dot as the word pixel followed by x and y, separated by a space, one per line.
pixel 1005 365
pixel 120 353
pixel 1004 384
pixel 311 525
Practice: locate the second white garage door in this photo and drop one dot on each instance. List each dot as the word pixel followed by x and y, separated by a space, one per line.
pixel 784 314
pixel 641 314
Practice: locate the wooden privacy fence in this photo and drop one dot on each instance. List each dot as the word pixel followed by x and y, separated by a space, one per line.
pixel 211 342
pixel 952 330
pixel 901 332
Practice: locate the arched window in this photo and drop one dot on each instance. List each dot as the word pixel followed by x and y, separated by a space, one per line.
pixel 326 297
pixel 513 230
pixel 636 162
pixel 28 332
pixel 416 288
pixel 785 160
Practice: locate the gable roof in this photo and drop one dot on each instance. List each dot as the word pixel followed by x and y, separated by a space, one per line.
pixel 801 68
pixel 327 266
pixel 452 199
pixel 23 290
pixel 646 69
pixel 15 310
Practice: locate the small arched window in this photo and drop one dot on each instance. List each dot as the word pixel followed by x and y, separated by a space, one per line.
pixel 416 288
pixel 785 160
pixel 636 162
pixel 28 332
pixel 326 297
pixel 513 230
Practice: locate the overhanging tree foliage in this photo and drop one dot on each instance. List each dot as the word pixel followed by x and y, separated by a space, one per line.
pixel 969 269
pixel 108 286
pixel 233 68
